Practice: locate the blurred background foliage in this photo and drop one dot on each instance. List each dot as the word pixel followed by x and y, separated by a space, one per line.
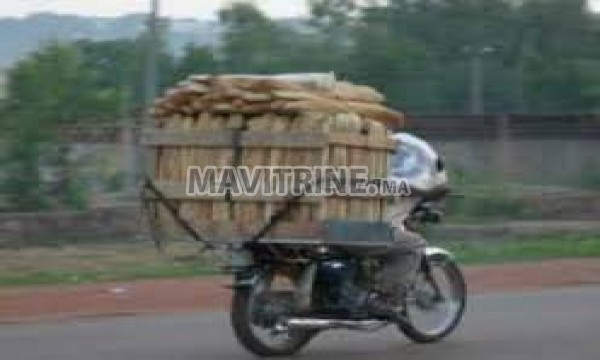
pixel 538 56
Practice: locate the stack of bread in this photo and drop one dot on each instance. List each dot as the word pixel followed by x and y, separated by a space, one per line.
pixel 282 94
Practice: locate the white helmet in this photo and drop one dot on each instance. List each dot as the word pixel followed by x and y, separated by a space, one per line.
pixel 417 163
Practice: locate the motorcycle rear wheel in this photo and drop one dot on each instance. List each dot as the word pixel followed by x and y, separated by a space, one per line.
pixel 244 300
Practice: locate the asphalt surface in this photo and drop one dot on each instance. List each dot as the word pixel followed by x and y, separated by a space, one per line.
pixel 558 324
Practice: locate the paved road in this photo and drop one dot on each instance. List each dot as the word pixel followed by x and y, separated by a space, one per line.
pixel 563 324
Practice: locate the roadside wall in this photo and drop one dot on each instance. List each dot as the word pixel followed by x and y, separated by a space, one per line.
pixel 98 225
pixel 530 149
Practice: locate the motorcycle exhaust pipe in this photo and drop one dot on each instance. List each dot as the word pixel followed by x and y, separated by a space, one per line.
pixel 329 324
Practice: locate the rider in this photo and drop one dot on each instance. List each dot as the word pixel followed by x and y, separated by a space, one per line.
pixel 416 163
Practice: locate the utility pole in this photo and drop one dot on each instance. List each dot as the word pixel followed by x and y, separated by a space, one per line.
pixel 152 45
pixel 476 77
pixel 145 163
pixel 524 55
pixel 476 85
pixel 150 78
pixel 129 147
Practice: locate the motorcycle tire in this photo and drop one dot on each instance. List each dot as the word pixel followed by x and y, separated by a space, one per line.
pixel 453 271
pixel 241 322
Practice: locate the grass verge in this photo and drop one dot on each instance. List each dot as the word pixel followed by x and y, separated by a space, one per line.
pixel 94 263
pixel 522 249
pixel 89 263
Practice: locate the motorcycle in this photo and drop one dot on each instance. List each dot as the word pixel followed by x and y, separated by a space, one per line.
pixel 284 294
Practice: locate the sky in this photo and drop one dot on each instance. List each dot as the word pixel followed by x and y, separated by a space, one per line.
pixel 205 9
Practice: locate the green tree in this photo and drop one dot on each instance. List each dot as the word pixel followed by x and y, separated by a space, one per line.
pixel 254 43
pixel 50 89
pixel 196 60
pixel 118 65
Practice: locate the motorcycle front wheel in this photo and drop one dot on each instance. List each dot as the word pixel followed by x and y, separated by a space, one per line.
pixel 254 320
pixel 436 304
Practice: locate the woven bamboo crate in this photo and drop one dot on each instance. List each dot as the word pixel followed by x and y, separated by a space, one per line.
pixel 269 139
pixel 282 120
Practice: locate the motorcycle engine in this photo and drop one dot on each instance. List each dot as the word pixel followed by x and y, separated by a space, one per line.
pixel 335 288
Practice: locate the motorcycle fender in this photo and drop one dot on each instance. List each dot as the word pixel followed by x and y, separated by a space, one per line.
pixel 431 251
pixel 246 274
pixel 245 279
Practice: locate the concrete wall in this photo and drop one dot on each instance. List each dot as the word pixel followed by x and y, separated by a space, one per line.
pixel 533 149
pixel 109 224
pixel 564 162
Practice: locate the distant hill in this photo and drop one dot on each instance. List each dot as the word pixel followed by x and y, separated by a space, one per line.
pixel 19 36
